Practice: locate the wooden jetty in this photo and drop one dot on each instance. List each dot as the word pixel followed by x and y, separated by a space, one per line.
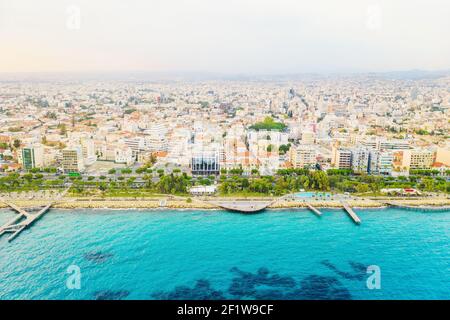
pixel 351 213
pixel 24 219
pixel 317 212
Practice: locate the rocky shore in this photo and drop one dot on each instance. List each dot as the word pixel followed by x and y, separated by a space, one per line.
pixel 152 203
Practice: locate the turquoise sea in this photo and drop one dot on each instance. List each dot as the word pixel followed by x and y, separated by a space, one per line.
pixel 277 254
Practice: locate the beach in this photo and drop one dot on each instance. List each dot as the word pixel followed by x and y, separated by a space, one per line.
pixel 194 203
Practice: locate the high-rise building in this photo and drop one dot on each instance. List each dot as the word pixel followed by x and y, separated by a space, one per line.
pixel 341 158
pixel 385 162
pixel 303 155
pixel 406 160
pixel 88 150
pixel 374 157
pixel 361 160
pixel 32 157
pixel 422 158
pixel 156 137
pixel 72 160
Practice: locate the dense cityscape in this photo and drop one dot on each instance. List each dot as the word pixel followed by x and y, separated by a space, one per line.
pixel 249 152
pixel 355 133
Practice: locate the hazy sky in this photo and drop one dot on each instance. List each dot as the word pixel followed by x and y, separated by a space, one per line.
pixel 229 36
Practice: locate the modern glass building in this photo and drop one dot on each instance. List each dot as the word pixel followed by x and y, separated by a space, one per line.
pixel 205 163
pixel 32 156
pixel 28 158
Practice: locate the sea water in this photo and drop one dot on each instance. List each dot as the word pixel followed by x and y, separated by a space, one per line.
pixel 213 254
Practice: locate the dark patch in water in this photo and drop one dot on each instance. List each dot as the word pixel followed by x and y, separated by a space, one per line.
pixel 245 284
pixel 315 287
pixel 270 294
pixel 359 269
pixel 201 291
pixel 111 295
pixel 98 256
pixel 263 285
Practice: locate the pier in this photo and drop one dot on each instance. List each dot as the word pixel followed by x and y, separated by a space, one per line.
pixel 24 219
pixel 317 212
pixel 418 208
pixel 243 206
pixel 350 212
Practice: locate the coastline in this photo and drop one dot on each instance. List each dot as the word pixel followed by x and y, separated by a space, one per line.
pixel 167 203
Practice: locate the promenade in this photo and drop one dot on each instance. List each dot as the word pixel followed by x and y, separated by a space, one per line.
pixel 210 203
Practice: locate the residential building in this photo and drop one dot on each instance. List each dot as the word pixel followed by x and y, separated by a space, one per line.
pixel 422 158
pixel 302 156
pixel 341 158
pixel 72 160
pixel 361 160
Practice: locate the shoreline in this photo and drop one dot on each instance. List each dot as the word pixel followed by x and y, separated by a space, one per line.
pixel 74 203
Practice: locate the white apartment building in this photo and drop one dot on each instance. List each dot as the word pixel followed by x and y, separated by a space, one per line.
pixel 360 160
pixel 276 138
pixel 156 137
pixel 136 144
pixel 385 162
pixel 88 150
pixel 124 154
pixel 380 162
pixel 386 144
pixel 393 144
pixel 308 137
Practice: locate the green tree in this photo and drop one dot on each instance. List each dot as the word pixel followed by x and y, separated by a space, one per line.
pixel 284 148
pixel 16 143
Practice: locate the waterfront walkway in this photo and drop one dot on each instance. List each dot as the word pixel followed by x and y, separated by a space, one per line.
pixel 243 206
pixel 254 206
pixel 417 208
